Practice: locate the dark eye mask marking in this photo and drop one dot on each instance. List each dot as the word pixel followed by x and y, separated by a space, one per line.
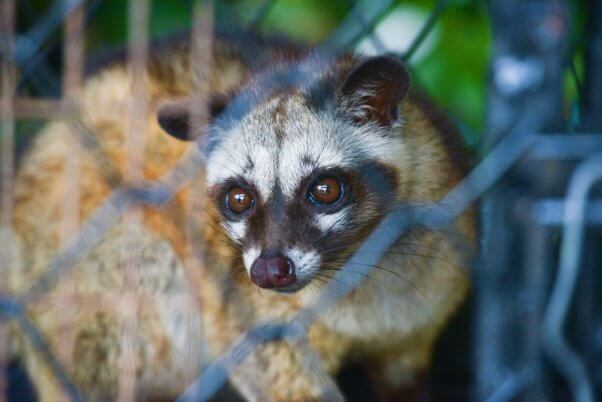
pixel 380 179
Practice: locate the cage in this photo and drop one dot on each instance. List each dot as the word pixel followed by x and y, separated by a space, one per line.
pixel 532 327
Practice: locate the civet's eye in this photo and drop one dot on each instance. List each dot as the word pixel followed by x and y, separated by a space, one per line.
pixel 326 191
pixel 238 200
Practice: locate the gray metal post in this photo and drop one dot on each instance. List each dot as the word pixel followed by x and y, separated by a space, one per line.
pixel 526 70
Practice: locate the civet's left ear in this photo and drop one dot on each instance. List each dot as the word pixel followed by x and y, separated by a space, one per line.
pixel 372 91
pixel 184 119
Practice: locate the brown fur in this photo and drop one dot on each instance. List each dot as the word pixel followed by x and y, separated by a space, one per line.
pixel 434 284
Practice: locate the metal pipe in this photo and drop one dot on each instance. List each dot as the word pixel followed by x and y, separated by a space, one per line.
pixel 556 346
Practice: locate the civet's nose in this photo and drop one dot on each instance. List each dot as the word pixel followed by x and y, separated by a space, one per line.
pixel 273 271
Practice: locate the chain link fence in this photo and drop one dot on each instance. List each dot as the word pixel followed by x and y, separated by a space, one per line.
pixel 536 184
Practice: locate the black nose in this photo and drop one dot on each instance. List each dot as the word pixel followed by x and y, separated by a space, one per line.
pixel 274 271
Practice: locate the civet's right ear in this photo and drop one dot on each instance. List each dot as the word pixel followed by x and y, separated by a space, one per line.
pixel 373 90
pixel 184 119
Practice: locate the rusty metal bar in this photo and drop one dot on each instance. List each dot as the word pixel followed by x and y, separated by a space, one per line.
pixel 73 51
pixel 34 108
pixel 112 301
pixel 138 55
pixel 8 111
pixel 201 61
pixel 7 143
pixel 73 71
pixel 134 141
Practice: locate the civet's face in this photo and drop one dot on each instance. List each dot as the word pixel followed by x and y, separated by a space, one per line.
pixel 298 184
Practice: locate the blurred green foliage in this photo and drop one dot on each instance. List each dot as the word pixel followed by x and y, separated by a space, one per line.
pixel 453 71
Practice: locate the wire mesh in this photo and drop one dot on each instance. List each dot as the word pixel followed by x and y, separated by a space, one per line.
pixel 513 137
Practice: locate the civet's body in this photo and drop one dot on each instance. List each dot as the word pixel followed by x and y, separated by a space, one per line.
pixel 288 193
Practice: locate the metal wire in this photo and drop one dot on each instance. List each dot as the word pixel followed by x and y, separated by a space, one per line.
pixel 521 138
pixel 14 310
pixel 426 29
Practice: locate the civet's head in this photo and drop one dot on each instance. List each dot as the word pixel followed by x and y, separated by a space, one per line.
pixel 306 173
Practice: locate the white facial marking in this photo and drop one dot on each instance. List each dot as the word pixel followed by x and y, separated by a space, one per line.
pixel 237 230
pixel 320 138
pixel 332 222
pixel 265 168
pixel 249 257
pixel 306 263
pixel 284 150
pixel 327 142
pixel 252 140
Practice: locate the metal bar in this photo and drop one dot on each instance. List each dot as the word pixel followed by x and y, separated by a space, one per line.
pixel 529 39
pixel 551 212
pixel 73 62
pixel 138 55
pixel 8 112
pixel 565 147
pixel 195 261
pixel 592 102
pixel 34 108
pixel 588 323
pixel 111 301
pixel 534 282
pixel 7 248
pixel 556 346
pixel 138 23
pixel 73 51
pixel 425 29
pixel 201 61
